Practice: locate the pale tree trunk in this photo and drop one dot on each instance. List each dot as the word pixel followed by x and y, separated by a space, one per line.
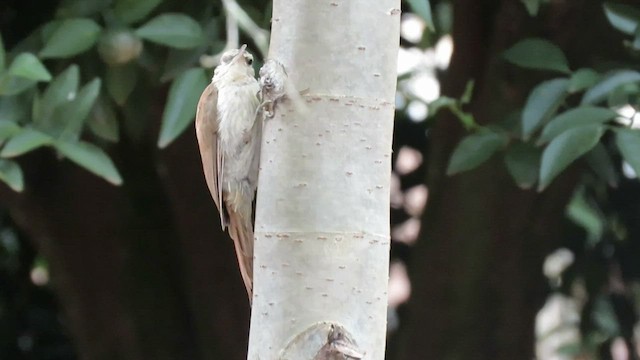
pixel 322 217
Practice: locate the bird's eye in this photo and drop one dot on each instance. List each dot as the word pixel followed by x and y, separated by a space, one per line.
pixel 249 61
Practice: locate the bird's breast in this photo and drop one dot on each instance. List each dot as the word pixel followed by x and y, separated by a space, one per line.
pixel 237 104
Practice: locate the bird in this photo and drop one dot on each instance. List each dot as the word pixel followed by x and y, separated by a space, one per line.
pixel 228 129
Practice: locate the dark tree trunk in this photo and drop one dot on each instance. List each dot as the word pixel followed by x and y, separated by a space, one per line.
pixel 142 271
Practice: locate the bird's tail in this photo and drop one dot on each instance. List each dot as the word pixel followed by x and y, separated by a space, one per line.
pixel 241 231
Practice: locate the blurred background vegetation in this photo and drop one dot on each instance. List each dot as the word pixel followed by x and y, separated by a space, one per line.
pixel 515 198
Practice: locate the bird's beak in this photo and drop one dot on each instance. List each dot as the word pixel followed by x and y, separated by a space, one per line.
pixel 240 54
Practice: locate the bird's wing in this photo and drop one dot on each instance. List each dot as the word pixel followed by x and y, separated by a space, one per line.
pixel 207 134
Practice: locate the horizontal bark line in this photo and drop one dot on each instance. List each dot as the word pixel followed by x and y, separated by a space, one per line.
pixel 383 239
pixel 353 100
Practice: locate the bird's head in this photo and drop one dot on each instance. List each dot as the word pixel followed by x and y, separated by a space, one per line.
pixel 236 62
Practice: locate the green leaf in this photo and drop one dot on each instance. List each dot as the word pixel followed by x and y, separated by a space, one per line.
pixel 423 9
pixel 180 60
pixel 623 95
pixel 635 45
pixel 623 17
pixel 601 163
pixel 583 79
pixel 583 213
pixel 11 174
pixel 75 8
pixel 92 158
pixel 565 149
pixel 181 104
pixel 28 66
pixel 14 108
pixel 71 37
pixel 628 142
pixel 523 161
pixel 468 92
pixel 130 11
pixel 75 112
pixel 8 129
pixel 533 6
pixel 12 85
pixel 62 89
pixel 443 102
pixel 609 83
pixel 542 103
pixel 581 116
pixel 604 317
pixel 475 149
pixel 24 141
pixel 174 30
pixel 537 54
pixel 103 122
pixel 571 350
pixel 120 82
pixel 3 55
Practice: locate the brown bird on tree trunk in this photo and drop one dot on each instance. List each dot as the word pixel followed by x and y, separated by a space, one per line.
pixel 228 129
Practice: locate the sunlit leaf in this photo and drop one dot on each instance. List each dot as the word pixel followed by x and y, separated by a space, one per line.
pixel 181 104
pixel 623 17
pixel 71 37
pixel 63 88
pixel 91 158
pixel 628 142
pixel 583 79
pixel 581 116
pixel 76 112
pixel 609 83
pixel 130 11
pixel 11 174
pixel 474 150
pixel 24 141
pixel 542 103
pixel 565 149
pixel 537 54
pixel 174 30
pixel 523 161
pixel 423 9
pixel 28 66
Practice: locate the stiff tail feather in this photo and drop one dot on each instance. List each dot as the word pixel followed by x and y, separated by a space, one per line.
pixel 241 231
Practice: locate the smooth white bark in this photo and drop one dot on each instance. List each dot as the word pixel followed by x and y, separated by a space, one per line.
pixel 322 217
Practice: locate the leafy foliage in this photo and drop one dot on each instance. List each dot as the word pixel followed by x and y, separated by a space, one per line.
pixel 537 54
pixel 98 58
pixel 566 136
pixel 586 124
